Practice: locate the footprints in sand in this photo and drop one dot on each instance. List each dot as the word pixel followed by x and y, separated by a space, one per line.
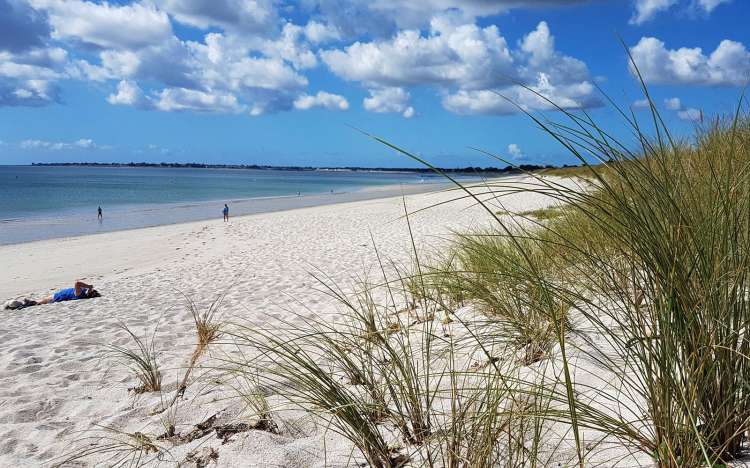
pixel 54 383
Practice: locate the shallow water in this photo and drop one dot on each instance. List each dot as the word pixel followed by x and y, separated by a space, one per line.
pixel 49 202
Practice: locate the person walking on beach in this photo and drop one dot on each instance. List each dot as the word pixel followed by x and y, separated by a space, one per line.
pixel 226 213
pixel 99 213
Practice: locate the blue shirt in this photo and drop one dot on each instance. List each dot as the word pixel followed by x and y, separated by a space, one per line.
pixel 68 294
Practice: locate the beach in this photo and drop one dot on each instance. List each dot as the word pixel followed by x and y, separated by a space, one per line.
pixel 57 385
pixel 41 203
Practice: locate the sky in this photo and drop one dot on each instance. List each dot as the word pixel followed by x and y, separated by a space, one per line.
pixel 290 82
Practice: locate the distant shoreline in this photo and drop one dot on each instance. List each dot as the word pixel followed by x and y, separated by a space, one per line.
pixel 416 170
pixel 24 230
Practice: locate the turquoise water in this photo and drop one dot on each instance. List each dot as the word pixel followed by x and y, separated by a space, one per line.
pixel 46 202
pixel 29 191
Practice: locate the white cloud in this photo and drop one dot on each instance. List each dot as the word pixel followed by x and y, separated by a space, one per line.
pixel 450 54
pixel 385 100
pixel 106 25
pixel 253 58
pixel 22 27
pixel 515 151
pixel 224 71
pixel 536 97
pixel 318 32
pixel 28 78
pixel 673 103
pixel 382 18
pixel 709 5
pixel 242 16
pixel 690 114
pixel 181 99
pixel 646 10
pixel 128 94
pixel 477 61
pixel 321 99
pixel 641 104
pixel 83 143
pixel 290 46
pixel 728 64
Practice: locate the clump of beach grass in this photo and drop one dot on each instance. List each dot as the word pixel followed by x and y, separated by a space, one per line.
pixel 208 330
pixel 142 359
pixel 116 448
pixel 653 256
pixel 207 322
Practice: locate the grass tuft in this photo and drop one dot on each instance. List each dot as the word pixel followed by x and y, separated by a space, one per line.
pixel 142 359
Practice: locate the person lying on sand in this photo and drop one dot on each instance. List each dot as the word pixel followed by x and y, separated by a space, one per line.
pixel 80 290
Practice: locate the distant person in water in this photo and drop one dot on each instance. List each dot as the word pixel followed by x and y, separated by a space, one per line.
pixel 226 212
pixel 99 213
pixel 80 290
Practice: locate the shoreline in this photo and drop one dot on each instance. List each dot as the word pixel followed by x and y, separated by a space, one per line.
pixel 35 229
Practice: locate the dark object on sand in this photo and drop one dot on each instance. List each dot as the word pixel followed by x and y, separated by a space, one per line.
pixel 18 304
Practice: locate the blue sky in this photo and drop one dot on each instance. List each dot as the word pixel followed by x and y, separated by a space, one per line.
pixel 282 82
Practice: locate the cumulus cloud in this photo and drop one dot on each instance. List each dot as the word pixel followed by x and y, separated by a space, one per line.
pixel 515 151
pixel 181 99
pixel 476 62
pixel 222 70
pixel 32 93
pixel 29 78
pixel 641 104
pixel 128 94
pixel 83 143
pixel 385 100
pixel 106 25
pixel 534 97
pixel 382 18
pixel 252 57
pixel 291 47
pixel 321 99
pixel 709 5
pixel 673 103
pixel 242 16
pixel 30 65
pixel 646 10
pixel 692 114
pixel 728 64
pixel 22 27
pixel 317 32
pixel 450 54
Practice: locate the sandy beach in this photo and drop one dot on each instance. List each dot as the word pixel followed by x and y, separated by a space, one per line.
pixel 56 385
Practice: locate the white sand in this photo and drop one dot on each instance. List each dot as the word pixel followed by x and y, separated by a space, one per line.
pixel 54 384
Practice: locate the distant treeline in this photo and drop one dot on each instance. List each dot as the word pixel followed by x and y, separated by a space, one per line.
pixel 420 170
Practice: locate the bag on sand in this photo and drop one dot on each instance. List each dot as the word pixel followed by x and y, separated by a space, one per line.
pixel 16 304
pixel 13 304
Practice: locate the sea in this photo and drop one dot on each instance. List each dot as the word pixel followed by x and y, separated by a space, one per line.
pixel 45 202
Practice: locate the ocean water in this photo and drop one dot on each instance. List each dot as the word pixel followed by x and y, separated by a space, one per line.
pixel 39 202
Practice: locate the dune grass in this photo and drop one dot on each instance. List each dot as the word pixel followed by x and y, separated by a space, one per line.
pixel 115 448
pixel 654 258
pixel 618 315
pixel 142 359
pixel 651 257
